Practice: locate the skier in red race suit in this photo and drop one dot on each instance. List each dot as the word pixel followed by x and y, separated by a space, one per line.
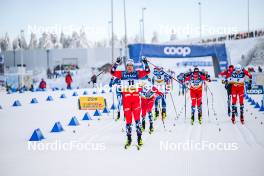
pixel 237 79
pixel 148 95
pixel 130 95
pixel 68 80
pixel 196 80
pixel 228 86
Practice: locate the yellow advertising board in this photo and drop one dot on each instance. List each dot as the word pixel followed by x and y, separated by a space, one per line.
pixel 91 103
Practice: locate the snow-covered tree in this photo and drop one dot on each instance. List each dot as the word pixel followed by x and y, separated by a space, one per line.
pixel 33 43
pixel 45 41
pixel 136 39
pixel 83 39
pixel 5 43
pixel 55 41
pixel 116 41
pixel 15 44
pixel 173 36
pixel 22 40
pixel 155 38
pixel 75 40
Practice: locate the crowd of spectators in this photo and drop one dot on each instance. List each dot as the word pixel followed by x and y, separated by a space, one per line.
pixel 60 70
pixel 237 36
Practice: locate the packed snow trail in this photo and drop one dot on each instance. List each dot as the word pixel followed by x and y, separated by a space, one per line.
pixel 18 123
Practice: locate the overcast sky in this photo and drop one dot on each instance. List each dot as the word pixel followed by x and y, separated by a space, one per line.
pixel 160 15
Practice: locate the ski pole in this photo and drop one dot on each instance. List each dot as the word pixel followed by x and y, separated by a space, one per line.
pixel 176 114
pixel 185 92
pixel 212 98
pixel 167 74
pixel 97 76
pixel 163 123
pixel 207 103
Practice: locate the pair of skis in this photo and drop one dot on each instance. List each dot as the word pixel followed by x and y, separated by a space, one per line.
pixel 127 147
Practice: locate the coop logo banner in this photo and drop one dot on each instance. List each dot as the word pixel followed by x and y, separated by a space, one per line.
pixel 181 51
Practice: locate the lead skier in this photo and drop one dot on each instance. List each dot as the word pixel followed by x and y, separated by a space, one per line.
pixel 130 95
pixel 196 80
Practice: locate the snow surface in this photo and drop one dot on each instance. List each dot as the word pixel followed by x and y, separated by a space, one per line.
pixel 237 48
pixel 18 123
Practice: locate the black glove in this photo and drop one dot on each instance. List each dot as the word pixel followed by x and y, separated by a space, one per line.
pixel 144 60
pixel 249 86
pixel 118 60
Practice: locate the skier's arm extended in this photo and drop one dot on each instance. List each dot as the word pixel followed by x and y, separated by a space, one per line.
pixel 247 73
pixel 187 78
pixel 143 73
pixel 115 73
pixel 111 82
pixel 250 79
pixel 205 78
pixel 156 90
pixel 223 73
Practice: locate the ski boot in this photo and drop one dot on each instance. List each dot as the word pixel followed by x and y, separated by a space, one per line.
pixel 200 118
pixel 129 139
pixel 139 142
pixel 192 117
pixel 128 142
pixel 229 111
pixel 233 118
pixel 151 128
pixel 156 114
pixel 118 116
pixel 143 124
pixel 234 112
pixel 242 114
pixel 163 114
pixel 242 119
pixel 139 133
pixel 200 114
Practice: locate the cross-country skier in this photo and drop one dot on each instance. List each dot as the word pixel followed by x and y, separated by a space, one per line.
pixel 182 86
pixel 237 80
pixel 148 95
pixel 130 95
pixel 161 81
pixel 196 80
pixel 117 82
pixel 228 86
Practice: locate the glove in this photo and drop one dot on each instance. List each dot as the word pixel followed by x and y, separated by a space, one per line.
pixel 249 86
pixel 118 60
pixel 144 60
pixel 162 96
